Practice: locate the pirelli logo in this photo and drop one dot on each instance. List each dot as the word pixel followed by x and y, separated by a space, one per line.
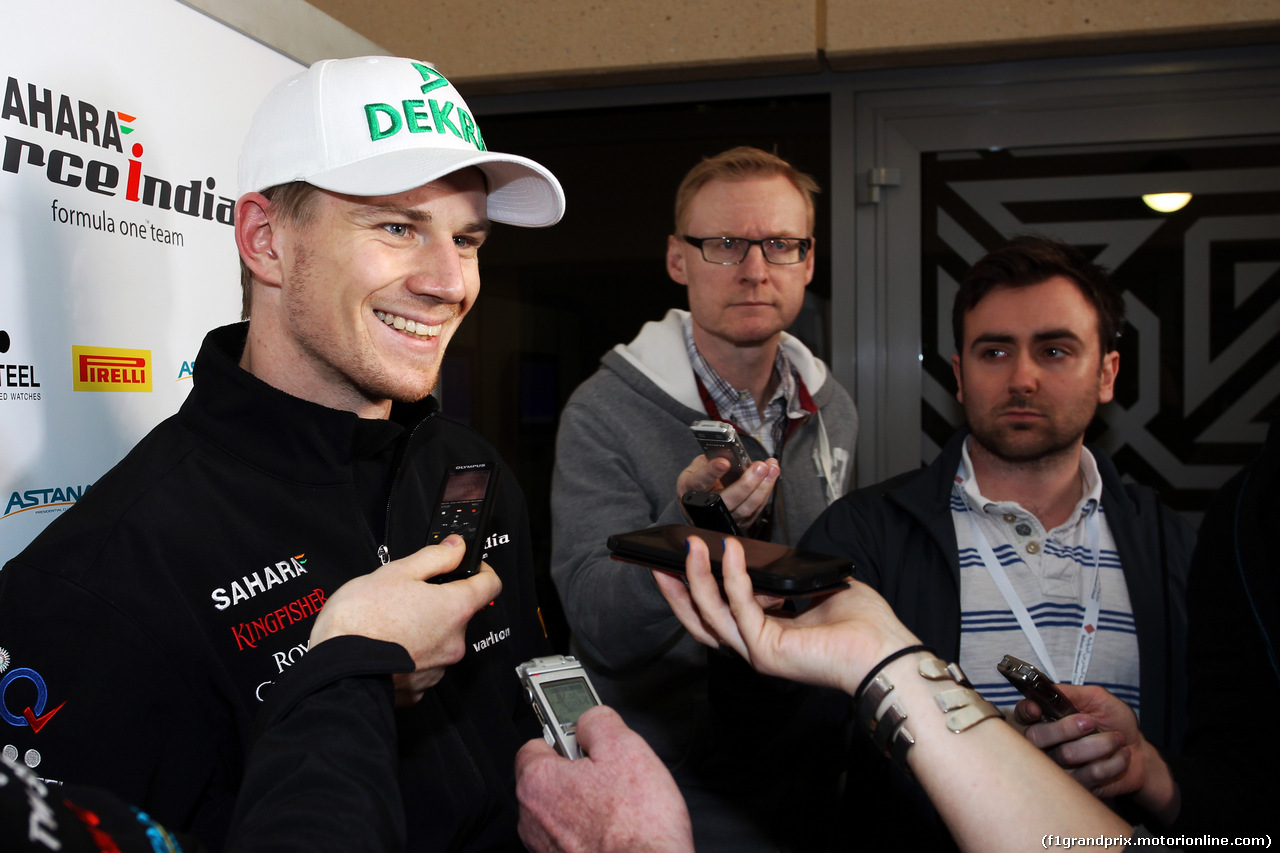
pixel 106 369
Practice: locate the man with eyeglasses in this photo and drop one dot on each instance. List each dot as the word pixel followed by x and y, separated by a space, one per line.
pixel 749 753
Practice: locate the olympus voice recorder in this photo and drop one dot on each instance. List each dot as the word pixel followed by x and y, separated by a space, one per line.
pixel 464 507
pixel 559 690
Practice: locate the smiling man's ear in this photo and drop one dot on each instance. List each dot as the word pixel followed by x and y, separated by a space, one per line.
pixel 256 239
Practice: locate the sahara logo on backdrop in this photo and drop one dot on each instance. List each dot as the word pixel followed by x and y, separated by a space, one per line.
pixel 85 123
pixel 109 369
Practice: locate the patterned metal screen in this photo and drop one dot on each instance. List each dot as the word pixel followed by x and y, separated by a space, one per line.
pixel 1200 356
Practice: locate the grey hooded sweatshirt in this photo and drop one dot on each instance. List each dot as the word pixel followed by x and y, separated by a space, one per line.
pixel 623 440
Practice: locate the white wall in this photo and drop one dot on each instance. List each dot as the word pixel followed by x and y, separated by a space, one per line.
pixel 94 93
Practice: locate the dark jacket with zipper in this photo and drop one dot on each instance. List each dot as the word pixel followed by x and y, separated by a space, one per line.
pixel 901 537
pixel 156 614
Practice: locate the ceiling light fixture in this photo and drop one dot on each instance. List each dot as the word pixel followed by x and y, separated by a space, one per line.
pixel 1166 202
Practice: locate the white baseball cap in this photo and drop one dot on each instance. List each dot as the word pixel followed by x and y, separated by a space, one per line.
pixel 381 125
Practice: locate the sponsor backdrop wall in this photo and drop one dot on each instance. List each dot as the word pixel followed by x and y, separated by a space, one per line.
pixel 122 123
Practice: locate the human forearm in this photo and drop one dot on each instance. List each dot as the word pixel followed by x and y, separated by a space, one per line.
pixel 322 771
pixel 977 777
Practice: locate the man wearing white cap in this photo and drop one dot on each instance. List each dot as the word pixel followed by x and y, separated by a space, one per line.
pixel 150 622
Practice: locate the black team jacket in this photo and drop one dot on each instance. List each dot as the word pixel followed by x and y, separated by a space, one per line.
pixel 146 626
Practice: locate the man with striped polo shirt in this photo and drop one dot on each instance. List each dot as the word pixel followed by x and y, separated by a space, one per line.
pixel 1018 539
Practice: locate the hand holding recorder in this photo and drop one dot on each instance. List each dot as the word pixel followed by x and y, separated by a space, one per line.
pixel 463 508
pixel 1102 747
pixel 619 797
pixel 560 692
pixel 430 620
pixel 726 469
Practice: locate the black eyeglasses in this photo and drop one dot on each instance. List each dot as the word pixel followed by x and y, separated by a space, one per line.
pixel 733 250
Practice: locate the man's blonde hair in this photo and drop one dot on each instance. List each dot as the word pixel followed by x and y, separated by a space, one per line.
pixel 295 203
pixel 740 164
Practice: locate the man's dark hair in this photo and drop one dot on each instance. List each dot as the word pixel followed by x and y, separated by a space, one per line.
pixel 1031 259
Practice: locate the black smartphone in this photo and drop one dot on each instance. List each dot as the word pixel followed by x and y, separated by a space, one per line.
pixel 708 511
pixel 774 569
pixel 464 508
pixel 1034 684
pixel 720 440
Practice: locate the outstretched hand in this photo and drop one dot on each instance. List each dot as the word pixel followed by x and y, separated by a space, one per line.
pixel 833 643
pixel 430 620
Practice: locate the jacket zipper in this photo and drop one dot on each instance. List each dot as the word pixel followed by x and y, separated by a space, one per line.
pixel 383 551
pixel 384 557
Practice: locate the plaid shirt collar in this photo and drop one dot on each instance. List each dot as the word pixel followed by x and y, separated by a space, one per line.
pixel 739 407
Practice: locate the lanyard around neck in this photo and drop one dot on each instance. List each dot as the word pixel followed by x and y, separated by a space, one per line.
pixel 1088 626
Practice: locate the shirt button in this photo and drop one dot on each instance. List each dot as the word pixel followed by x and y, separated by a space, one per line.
pixel 1010 517
pixel 1023 529
pixel 1033 548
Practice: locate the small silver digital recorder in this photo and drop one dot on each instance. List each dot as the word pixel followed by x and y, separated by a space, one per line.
pixel 559 690
pixel 719 440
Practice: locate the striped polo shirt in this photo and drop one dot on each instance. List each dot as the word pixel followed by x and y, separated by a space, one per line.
pixel 1050 571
